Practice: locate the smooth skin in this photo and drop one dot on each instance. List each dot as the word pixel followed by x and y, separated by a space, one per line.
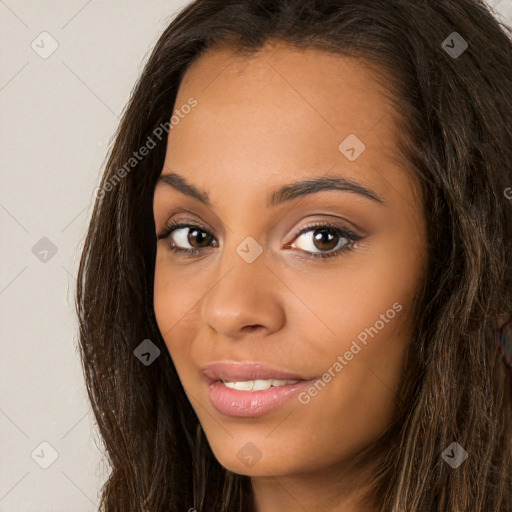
pixel 260 123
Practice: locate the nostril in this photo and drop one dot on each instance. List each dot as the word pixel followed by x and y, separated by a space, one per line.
pixel 252 327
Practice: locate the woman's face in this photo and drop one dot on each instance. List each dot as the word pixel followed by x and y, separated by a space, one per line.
pixel 257 290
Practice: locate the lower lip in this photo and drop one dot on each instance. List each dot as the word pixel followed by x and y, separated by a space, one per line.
pixel 251 404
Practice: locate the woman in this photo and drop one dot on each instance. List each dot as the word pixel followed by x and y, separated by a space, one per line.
pixel 295 291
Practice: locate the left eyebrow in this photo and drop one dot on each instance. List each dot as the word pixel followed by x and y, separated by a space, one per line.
pixel 285 193
pixel 313 185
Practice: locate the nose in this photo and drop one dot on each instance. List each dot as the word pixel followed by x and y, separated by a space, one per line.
pixel 245 298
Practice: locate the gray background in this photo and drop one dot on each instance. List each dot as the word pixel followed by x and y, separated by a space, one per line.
pixel 57 117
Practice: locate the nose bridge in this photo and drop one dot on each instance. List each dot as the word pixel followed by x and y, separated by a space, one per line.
pixel 242 293
pixel 243 246
pixel 245 250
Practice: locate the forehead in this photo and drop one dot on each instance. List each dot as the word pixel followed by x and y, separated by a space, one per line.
pixel 283 113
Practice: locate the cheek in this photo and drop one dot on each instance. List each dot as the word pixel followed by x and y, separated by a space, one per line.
pixel 174 303
pixel 174 300
pixel 365 298
pixel 362 315
pixel 163 299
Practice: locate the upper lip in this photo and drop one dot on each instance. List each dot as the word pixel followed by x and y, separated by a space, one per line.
pixel 231 371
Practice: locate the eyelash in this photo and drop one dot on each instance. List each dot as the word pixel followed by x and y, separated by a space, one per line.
pixel 338 230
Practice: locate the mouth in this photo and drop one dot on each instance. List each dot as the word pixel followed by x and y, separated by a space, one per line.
pixel 258 384
pixel 228 371
pixel 250 389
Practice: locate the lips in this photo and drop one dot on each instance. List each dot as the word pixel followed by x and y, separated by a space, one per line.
pixel 241 400
pixel 240 372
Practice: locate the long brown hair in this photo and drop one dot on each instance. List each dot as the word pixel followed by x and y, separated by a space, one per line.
pixel 455 115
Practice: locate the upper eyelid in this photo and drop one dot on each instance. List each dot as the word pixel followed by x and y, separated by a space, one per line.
pixel 172 226
pixel 190 217
pixel 180 224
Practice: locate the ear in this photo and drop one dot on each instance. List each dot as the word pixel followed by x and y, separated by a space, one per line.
pixel 504 318
pixel 504 339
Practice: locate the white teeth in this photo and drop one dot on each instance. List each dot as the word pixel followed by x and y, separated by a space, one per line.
pixel 242 386
pixel 258 385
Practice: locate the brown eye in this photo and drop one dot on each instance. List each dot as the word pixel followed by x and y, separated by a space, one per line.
pixel 196 238
pixel 328 240
pixel 324 239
